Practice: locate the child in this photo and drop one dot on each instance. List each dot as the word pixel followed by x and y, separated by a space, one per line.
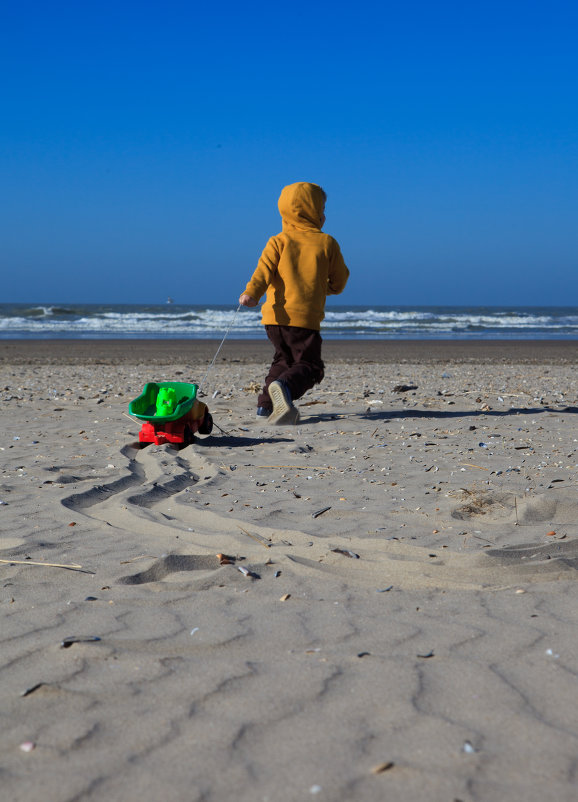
pixel 298 269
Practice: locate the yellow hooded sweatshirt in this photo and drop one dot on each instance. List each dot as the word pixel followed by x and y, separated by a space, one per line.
pixel 300 266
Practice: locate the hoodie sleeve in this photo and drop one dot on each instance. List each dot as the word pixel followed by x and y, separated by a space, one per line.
pixel 338 272
pixel 266 268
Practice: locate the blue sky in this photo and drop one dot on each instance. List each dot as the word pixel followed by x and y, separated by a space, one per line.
pixel 144 146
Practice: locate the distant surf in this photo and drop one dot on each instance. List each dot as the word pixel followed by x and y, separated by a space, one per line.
pixel 162 321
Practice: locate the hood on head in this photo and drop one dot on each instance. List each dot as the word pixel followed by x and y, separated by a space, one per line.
pixel 301 205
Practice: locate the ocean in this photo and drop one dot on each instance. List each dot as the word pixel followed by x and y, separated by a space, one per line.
pixel 166 321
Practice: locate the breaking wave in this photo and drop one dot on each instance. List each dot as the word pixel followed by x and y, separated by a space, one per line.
pixel 90 321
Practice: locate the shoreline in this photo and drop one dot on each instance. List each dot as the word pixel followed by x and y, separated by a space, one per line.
pixel 244 351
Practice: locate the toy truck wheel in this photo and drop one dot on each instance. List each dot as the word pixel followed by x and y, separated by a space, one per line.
pixel 206 426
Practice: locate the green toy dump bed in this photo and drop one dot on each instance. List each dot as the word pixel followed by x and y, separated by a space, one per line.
pixel 145 406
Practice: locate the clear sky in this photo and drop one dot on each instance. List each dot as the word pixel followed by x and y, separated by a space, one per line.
pixel 144 145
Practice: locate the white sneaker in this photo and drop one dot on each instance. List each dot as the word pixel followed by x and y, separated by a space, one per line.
pixel 284 413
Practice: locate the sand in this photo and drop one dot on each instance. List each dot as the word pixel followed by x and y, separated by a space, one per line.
pixel 405 626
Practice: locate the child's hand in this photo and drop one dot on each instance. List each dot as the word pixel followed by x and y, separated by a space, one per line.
pixel 246 300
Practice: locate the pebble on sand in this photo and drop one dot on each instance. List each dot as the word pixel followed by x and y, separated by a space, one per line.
pixel 381 767
pixel 27 746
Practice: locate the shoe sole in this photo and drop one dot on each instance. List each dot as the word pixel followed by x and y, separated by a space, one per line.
pixel 289 418
pixel 284 413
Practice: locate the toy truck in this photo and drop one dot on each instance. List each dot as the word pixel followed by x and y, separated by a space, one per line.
pixel 171 413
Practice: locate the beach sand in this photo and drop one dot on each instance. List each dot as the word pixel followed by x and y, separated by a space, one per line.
pixel 407 628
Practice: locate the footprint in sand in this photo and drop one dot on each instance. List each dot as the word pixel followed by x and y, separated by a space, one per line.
pixel 171 564
pixel 556 507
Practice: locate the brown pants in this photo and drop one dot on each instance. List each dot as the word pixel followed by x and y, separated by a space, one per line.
pixel 297 361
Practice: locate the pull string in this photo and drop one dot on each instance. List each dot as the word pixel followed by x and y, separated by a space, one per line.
pixel 218 349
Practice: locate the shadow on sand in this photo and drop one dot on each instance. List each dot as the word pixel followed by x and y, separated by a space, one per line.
pixel 396 414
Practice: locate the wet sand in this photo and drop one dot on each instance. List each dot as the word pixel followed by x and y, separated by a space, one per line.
pixel 405 625
pixel 195 352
